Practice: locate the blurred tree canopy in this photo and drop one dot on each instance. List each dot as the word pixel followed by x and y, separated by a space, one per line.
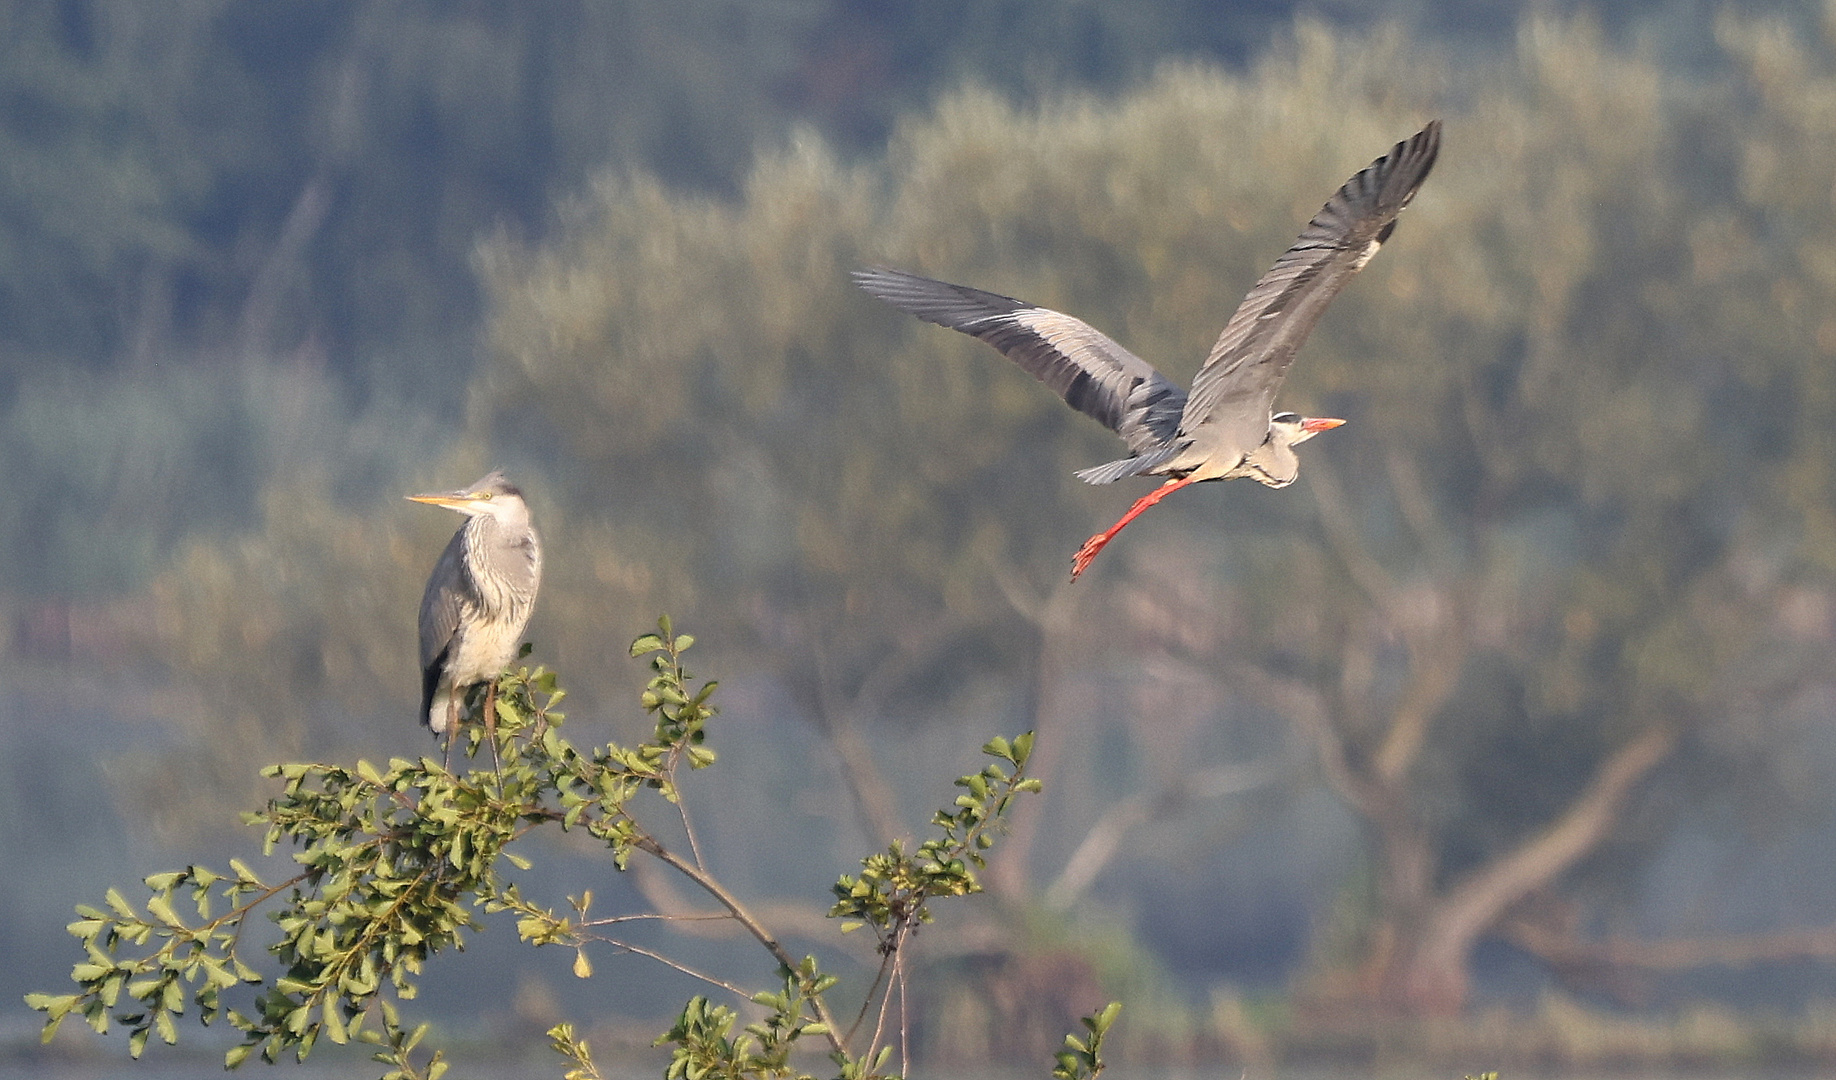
pixel 1578 535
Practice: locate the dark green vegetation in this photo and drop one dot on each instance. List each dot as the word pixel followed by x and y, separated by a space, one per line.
pixel 1531 662
pixel 399 864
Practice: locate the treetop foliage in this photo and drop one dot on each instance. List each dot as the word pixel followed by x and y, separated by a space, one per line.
pixel 399 864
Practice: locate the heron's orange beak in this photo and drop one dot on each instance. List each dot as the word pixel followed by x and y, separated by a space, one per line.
pixel 1320 423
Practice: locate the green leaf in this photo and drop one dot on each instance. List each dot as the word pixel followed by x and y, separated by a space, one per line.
pixel 119 903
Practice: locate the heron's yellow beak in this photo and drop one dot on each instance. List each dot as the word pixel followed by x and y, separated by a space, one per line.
pixel 437 500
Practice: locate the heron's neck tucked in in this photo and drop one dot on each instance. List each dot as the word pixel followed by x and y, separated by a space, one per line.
pixel 504 560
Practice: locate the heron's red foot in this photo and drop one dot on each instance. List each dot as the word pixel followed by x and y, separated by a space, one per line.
pixel 1081 561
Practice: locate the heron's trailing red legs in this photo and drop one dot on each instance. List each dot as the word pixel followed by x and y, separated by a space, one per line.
pixel 1081 561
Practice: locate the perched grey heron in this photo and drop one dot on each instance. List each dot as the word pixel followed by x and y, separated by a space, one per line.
pixel 477 601
pixel 1226 427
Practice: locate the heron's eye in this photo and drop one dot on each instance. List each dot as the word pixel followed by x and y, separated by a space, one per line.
pixel 1285 418
pixel 482 496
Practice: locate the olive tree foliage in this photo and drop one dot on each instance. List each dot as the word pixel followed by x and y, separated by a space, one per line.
pixel 402 863
pixel 1551 559
pixel 1549 555
pixel 1575 537
pixel 870 501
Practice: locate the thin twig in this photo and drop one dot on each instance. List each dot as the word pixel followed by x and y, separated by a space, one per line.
pixel 667 962
pixel 905 1020
pixel 753 926
pixel 872 992
pixel 682 809
pixel 879 1023
pixel 660 916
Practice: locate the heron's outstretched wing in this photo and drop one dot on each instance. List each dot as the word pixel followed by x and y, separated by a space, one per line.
pixel 1094 375
pixel 1236 387
pixel 440 615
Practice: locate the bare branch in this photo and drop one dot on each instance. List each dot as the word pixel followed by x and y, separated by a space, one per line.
pixel 1417 506
pixel 1479 900
pixel 753 926
pixel 659 892
pixel 1104 839
pixel 1306 708
pixel 1437 656
pixel 625 946
pixel 1343 536
pixel 1563 949
pixel 839 718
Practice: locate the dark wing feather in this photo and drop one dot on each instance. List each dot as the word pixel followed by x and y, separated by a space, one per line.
pixel 1094 375
pixel 431 674
pixel 1237 385
pixel 440 615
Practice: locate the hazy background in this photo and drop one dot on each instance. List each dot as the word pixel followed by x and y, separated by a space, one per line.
pixel 266 267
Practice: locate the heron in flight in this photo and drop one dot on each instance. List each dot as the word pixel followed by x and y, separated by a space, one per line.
pixel 1225 427
pixel 477 601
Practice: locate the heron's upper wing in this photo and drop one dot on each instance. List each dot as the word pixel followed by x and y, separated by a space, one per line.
pixel 1092 373
pixel 1238 382
pixel 440 604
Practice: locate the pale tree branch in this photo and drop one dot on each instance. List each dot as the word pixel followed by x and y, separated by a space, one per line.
pixel 1104 839
pixel 660 892
pixel 840 720
pixel 1562 949
pixel 1342 534
pixel 1481 899
pixel 746 919
pixel 1437 655
pixel 1010 875
pixel 1307 710
pixel 1417 507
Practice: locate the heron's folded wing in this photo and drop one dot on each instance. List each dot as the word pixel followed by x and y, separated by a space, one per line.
pixel 441 603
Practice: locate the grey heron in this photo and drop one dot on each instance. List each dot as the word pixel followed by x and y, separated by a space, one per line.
pixel 1226 427
pixel 478 600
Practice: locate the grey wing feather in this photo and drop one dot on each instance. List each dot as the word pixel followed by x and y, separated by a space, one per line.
pixel 1237 385
pixel 1094 375
pixel 440 604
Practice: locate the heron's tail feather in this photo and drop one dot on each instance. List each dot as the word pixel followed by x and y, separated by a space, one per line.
pixel 435 706
pixel 1138 465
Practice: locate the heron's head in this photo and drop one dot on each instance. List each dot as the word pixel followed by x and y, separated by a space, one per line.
pixel 1296 428
pixel 492 496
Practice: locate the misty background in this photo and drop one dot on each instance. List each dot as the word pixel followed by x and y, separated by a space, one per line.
pixel 267 267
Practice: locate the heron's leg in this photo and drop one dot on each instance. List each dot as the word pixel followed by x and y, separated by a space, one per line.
pixel 1081 561
pixel 452 725
pixel 491 723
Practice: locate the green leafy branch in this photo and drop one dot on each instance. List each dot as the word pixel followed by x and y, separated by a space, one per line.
pixel 397 864
pixel 1082 1059
pixel 892 893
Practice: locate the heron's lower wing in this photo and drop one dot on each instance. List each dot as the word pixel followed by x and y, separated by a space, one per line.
pixel 1094 375
pixel 1237 385
pixel 430 684
pixel 442 602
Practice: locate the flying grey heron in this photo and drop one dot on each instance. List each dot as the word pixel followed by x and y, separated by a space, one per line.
pixel 1226 427
pixel 477 601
